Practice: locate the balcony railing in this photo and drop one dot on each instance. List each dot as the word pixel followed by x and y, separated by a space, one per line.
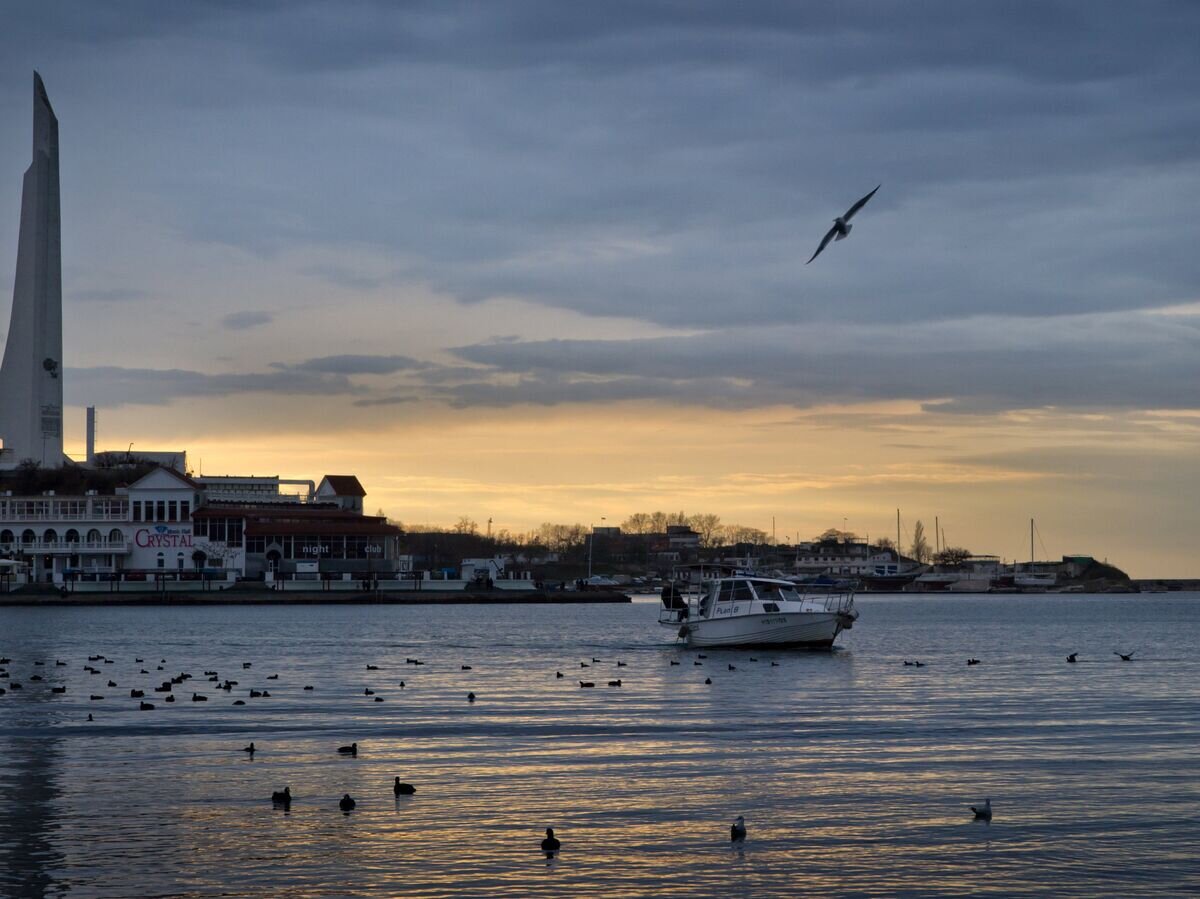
pixel 63 546
pixel 65 516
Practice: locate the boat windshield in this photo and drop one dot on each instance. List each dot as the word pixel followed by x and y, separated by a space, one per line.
pixel 776 593
pixel 734 591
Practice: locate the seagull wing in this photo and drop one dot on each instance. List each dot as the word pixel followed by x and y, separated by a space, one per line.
pixel 859 205
pixel 824 242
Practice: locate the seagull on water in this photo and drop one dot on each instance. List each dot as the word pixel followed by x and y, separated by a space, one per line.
pixel 984 812
pixel 737 832
pixel 1071 658
pixel 841 225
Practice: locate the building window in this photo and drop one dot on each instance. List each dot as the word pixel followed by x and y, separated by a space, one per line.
pixel 72 536
pixel 160 510
pixel 185 510
pixel 162 562
pixel 137 510
pixel 115 536
pixel 172 511
pixel 179 561
pixel 93 537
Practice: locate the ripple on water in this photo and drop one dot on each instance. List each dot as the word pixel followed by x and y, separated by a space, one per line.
pixel 854 772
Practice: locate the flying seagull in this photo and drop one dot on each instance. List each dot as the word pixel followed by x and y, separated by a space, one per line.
pixel 841 224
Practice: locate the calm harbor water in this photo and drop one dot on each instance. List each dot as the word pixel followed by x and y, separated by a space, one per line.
pixel 853 771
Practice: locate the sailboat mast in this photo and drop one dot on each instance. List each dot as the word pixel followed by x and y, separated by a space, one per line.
pixel 1031 544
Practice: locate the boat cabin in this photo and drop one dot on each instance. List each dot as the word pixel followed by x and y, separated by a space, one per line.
pixel 728 597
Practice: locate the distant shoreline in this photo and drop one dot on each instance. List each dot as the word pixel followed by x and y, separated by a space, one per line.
pixel 273 598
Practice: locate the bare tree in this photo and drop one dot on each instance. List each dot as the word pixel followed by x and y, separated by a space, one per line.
pixel 561 537
pixel 837 536
pixel 708 526
pixel 920 546
pixel 739 533
pixel 466 525
pixel 638 523
pixel 953 555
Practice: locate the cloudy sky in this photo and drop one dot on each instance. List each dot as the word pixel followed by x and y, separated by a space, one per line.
pixel 539 261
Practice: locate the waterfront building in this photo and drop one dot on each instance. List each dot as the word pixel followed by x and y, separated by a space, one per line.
pixel 166 523
pixel 851 558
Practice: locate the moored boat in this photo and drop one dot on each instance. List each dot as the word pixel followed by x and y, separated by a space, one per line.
pixel 746 610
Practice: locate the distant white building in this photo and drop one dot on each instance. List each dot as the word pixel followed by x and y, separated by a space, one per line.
pixel 850 559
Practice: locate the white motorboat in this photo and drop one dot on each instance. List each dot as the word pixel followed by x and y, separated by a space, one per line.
pixel 746 610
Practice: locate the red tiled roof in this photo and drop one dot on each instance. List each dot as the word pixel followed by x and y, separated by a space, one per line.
pixel 344 485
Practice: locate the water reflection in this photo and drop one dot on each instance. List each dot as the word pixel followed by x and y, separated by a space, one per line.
pixel 31 860
pixel 856 772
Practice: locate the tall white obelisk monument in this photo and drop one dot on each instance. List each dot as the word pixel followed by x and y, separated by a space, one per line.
pixel 31 386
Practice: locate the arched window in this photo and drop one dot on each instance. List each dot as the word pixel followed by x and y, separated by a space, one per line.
pixel 71 536
pixel 93 536
pixel 179 561
pixel 115 536
pixel 28 536
pixel 6 536
pixel 162 562
pixel 51 535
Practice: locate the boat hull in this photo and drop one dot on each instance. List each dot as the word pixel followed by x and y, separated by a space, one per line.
pixel 815 630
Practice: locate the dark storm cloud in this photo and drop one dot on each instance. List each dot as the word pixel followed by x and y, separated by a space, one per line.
pixel 968 366
pixel 356 365
pixel 240 321
pixel 677 164
pixel 386 401
pixel 114 386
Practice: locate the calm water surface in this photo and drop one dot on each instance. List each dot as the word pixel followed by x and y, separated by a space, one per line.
pixel 853 771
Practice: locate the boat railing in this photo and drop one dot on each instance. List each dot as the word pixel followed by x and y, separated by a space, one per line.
pixel 832 602
pixel 685 606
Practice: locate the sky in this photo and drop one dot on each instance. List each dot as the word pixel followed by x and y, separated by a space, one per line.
pixel 537 261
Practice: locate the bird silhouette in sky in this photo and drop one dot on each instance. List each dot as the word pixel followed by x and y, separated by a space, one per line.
pixel 841 224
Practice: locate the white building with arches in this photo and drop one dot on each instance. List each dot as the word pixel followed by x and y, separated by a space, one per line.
pixel 167 523
pixel 146 526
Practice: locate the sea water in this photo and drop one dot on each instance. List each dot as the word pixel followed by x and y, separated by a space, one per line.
pixel 853 771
